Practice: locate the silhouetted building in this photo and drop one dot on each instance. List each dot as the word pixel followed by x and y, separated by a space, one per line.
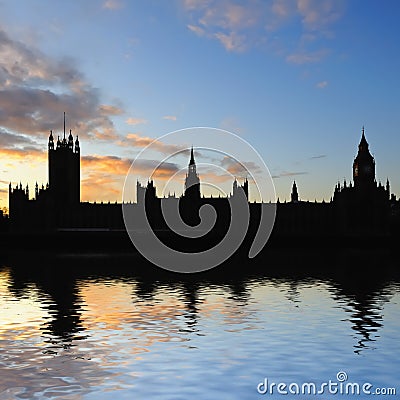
pixel 54 204
pixel 64 170
pixel 237 187
pixel 363 207
pixel 192 181
pixel 364 167
pixel 294 196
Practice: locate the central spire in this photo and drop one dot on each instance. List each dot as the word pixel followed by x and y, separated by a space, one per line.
pixel 192 182
pixel 191 162
pixel 363 146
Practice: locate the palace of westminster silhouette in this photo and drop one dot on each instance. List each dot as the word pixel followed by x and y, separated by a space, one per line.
pixel 363 207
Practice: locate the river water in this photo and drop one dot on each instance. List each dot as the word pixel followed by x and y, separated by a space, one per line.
pixel 110 327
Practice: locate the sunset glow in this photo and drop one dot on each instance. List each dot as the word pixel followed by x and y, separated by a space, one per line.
pixel 297 79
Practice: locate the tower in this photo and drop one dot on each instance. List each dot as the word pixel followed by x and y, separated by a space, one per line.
pixel 294 195
pixel 140 192
pixel 244 187
pixel 64 170
pixel 388 188
pixel 364 166
pixel 192 181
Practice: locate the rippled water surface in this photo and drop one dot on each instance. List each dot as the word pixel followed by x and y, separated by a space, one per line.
pixel 99 328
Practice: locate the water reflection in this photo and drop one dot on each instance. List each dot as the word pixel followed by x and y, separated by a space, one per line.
pixel 105 317
pixel 361 294
pixel 58 295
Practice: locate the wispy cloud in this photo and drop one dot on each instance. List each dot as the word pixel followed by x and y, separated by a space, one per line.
pixel 170 117
pixel 113 4
pixel 232 41
pixel 111 164
pixel 11 140
pixel 239 26
pixel 318 14
pixel 135 121
pixel 307 57
pixel 318 157
pixel 137 140
pixel 107 109
pixel 25 153
pixel 156 169
pixel 289 173
pixel 239 169
pixel 196 29
pixel 224 21
pixel 322 84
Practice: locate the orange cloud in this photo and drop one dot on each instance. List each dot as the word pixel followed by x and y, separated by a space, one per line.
pixel 135 121
pixel 139 141
pixel 106 109
pixel 134 139
pixel 23 154
pixel 100 188
pixel 103 177
pixel 109 164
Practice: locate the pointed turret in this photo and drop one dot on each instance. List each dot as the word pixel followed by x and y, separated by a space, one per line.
pixel 77 147
pixel 363 165
pixel 294 195
pixel 245 187
pixel 234 187
pixel 70 141
pixel 51 141
pixel 192 181
pixel 363 142
pixel 192 157
pixel 388 188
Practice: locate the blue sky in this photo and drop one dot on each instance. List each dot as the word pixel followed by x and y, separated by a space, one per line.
pixel 297 79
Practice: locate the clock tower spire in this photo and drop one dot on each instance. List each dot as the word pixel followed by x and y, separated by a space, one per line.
pixel 192 181
pixel 363 165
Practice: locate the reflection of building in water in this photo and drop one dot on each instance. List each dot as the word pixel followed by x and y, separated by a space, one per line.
pixel 362 299
pixel 57 293
pixel 362 206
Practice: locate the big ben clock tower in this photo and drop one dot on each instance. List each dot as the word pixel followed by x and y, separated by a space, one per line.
pixel 364 166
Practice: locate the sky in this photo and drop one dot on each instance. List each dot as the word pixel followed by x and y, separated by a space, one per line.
pixel 296 79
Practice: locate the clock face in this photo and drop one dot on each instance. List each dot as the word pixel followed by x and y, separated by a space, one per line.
pixel 356 170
